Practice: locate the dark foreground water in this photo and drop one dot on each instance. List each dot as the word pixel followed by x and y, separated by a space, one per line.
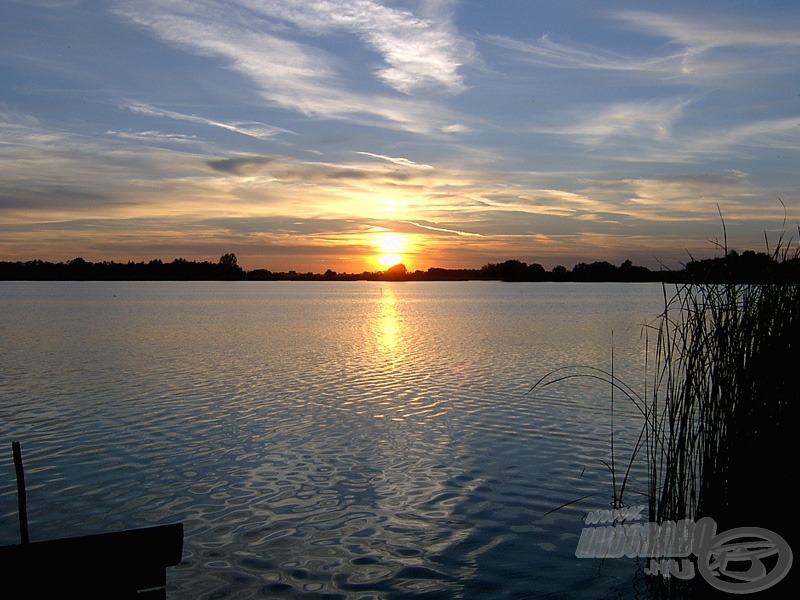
pixel 327 440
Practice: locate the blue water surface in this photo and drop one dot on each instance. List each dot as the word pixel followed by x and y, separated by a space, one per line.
pixel 329 439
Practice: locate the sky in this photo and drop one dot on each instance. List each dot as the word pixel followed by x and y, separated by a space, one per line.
pixel 354 134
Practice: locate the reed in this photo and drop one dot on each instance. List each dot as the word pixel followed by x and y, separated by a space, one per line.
pixel 717 420
pixel 718 417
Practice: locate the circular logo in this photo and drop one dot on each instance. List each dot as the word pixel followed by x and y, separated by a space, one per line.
pixel 745 560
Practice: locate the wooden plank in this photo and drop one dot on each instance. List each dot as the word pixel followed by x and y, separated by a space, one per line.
pixel 135 559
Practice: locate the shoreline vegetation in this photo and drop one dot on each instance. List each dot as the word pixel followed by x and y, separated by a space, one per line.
pixel 717 423
pixel 719 416
pixel 747 267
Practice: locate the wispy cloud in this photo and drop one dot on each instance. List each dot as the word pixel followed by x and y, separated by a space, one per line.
pixel 644 119
pixel 241 165
pixel 689 54
pixel 419 52
pixel 251 129
pixel 701 43
pixel 443 229
pixel 681 199
pixel 714 32
pixel 767 133
pixel 154 136
pixel 549 53
pixel 403 162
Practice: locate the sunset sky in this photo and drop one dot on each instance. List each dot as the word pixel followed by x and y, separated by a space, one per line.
pixel 349 134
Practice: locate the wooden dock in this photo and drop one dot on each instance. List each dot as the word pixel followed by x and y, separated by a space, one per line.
pixel 122 564
pixel 117 565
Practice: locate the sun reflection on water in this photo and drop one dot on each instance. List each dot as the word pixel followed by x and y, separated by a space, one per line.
pixel 388 325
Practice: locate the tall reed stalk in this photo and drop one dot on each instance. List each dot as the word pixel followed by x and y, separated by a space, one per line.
pixel 718 419
pixel 718 430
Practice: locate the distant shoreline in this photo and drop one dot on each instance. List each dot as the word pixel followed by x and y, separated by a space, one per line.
pixel 747 267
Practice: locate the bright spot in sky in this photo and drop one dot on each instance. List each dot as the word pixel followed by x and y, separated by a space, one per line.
pixel 389 260
pixel 432 133
pixel 389 248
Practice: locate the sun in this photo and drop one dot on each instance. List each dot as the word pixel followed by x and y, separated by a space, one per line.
pixel 389 248
pixel 389 260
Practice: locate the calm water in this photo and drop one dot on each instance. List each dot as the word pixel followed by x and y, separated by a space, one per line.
pixel 326 440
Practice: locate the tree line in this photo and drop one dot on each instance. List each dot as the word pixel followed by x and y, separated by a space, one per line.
pixel 733 267
pixel 78 269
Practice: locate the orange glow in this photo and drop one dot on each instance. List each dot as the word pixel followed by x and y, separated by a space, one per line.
pixel 389 248
pixel 389 260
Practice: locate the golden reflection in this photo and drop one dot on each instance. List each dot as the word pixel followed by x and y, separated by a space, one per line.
pixel 388 324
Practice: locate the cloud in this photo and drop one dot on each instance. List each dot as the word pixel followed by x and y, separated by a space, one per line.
pixel 66 191
pixel 690 55
pixel 154 136
pixel 251 38
pixel 719 48
pixel 713 32
pixel 684 198
pixel 285 169
pixel 252 129
pixel 287 224
pixel 781 133
pixel 17 127
pixel 652 120
pixel 52 175
pixel 548 53
pixel 15 197
pixel 403 162
pixel 242 166
pixel 455 128
pixel 443 229
pixel 418 51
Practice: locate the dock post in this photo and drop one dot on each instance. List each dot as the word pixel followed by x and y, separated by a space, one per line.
pixel 22 499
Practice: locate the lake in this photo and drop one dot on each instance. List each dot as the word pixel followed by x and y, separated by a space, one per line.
pixel 329 439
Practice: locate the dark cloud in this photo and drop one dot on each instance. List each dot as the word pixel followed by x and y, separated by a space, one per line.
pixel 138 224
pixel 340 173
pixel 53 198
pixel 288 169
pixel 325 172
pixel 242 166
pixel 284 224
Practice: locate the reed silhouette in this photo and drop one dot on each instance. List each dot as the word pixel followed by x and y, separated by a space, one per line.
pixel 717 432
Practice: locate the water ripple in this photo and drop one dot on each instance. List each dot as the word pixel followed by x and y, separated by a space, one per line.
pixel 322 441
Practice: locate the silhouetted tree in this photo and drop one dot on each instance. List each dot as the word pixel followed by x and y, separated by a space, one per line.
pixel 559 273
pixel 747 267
pixel 510 270
pixel 597 271
pixel 396 272
pixel 536 272
pixel 229 265
pixel 228 261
